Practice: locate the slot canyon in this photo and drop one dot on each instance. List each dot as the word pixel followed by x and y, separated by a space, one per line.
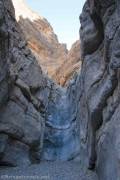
pixel 59 108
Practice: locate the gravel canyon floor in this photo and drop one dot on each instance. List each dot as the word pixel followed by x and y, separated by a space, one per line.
pixel 49 171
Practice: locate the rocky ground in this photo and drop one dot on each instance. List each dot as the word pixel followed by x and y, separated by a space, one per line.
pixel 49 171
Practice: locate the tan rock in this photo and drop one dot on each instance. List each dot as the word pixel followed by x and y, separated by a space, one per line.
pixel 51 55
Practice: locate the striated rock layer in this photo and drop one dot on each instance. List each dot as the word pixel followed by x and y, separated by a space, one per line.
pixel 43 42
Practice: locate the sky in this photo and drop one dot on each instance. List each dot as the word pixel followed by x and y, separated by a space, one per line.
pixel 63 16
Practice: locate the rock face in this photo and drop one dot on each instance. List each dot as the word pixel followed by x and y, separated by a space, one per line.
pixel 70 66
pixel 22 103
pixel 40 37
pixel 98 107
pixel 44 44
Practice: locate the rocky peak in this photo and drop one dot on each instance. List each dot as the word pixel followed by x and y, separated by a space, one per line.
pixel 22 11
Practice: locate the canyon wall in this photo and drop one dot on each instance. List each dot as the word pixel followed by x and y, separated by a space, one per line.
pixel 24 95
pixel 70 66
pixel 98 106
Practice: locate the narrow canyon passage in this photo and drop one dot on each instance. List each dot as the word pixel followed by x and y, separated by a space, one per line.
pixel 53 132
pixel 61 145
pixel 61 134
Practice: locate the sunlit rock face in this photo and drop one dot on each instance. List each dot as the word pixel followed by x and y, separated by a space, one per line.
pixel 69 67
pixel 41 38
pixel 98 110
pixel 51 55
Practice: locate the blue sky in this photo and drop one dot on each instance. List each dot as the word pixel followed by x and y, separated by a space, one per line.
pixel 63 15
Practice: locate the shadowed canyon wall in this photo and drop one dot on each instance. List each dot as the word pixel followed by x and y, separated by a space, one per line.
pixel 21 106
pixel 99 85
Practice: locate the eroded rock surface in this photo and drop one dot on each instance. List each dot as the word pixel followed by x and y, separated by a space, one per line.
pixel 98 108
pixel 22 109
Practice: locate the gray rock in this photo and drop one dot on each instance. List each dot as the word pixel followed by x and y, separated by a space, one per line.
pixel 21 111
pixel 61 135
pixel 3 143
pixel 16 154
pixel 98 104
